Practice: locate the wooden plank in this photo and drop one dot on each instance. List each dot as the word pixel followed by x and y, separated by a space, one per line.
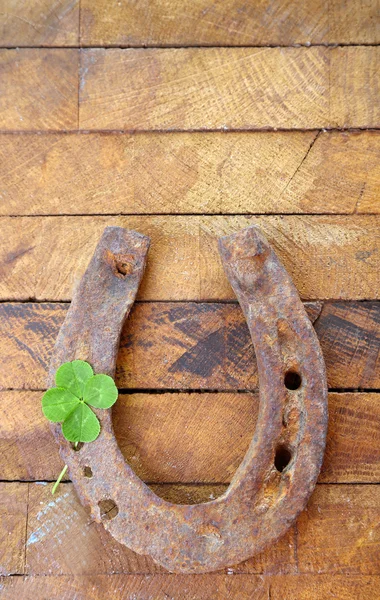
pixel 327 256
pixel 63 539
pixel 339 330
pixel 182 438
pixel 39 89
pixel 39 23
pixel 340 531
pixel 191 345
pixel 323 586
pixel 213 586
pixel 231 23
pixel 204 88
pixel 354 70
pixel 229 88
pixel 13 515
pixel 351 22
pixel 271 172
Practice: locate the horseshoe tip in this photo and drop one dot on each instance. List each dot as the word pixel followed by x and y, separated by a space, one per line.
pixel 253 236
pixel 116 234
pixel 244 244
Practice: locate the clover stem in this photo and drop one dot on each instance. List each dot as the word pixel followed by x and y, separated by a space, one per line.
pixel 60 477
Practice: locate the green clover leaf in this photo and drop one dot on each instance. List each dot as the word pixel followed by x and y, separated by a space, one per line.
pixel 68 403
pixel 82 425
pixel 73 376
pixel 100 391
pixel 58 403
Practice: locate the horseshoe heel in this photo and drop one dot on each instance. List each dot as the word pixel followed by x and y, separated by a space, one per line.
pixel 281 466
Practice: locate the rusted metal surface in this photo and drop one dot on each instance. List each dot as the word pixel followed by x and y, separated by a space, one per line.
pixel 281 466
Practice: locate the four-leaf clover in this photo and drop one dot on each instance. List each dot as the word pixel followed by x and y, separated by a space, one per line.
pixel 78 389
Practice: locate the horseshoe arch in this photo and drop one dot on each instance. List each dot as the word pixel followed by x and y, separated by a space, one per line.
pixel 280 469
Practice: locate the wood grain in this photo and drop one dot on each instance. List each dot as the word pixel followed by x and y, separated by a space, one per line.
pixel 229 88
pixel 339 532
pixel 189 438
pixel 13 515
pixel 191 345
pixel 63 539
pixel 204 88
pixel 327 256
pixel 214 586
pixel 39 23
pixel 39 89
pixel 205 173
pixel 324 586
pixel 354 71
pixel 197 23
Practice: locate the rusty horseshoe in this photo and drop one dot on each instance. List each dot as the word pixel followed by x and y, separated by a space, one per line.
pixel 280 469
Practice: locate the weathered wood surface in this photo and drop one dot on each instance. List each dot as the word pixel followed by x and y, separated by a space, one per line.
pixel 39 89
pixel 229 88
pixel 195 587
pixel 214 586
pixel 84 547
pixel 196 438
pixel 256 172
pixel 39 23
pixel 352 72
pixel 55 162
pixel 142 587
pixel 318 587
pixel 61 538
pixel 229 23
pixel 13 515
pixel 186 23
pixel 327 256
pixel 340 531
pixel 172 345
pixel 186 89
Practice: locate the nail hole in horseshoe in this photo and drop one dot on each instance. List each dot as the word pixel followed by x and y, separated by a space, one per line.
pixel 108 509
pixel 292 380
pixel 76 446
pixel 282 458
pixel 123 269
pixel 87 471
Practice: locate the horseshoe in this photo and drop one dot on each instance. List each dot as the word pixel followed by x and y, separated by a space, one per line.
pixel 280 469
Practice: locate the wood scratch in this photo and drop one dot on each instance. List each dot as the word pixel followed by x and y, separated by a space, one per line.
pixel 301 163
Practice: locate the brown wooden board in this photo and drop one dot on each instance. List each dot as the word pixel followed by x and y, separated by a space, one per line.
pixel 182 438
pixel 340 531
pixel 214 586
pixel 318 587
pixel 191 345
pixel 62 538
pixel 39 23
pixel 186 23
pixel 13 519
pixel 94 137
pixel 272 172
pixel 229 88
pixel 142 587
pixel 229 23
pixel 327 256
pixel 39 89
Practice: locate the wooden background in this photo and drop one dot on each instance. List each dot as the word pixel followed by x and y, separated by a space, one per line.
pixel 185 120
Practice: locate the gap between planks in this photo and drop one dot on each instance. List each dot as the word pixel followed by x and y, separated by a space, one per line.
pixel 187 46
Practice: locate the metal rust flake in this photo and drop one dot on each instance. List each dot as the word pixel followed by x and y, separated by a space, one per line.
pixel 281 466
